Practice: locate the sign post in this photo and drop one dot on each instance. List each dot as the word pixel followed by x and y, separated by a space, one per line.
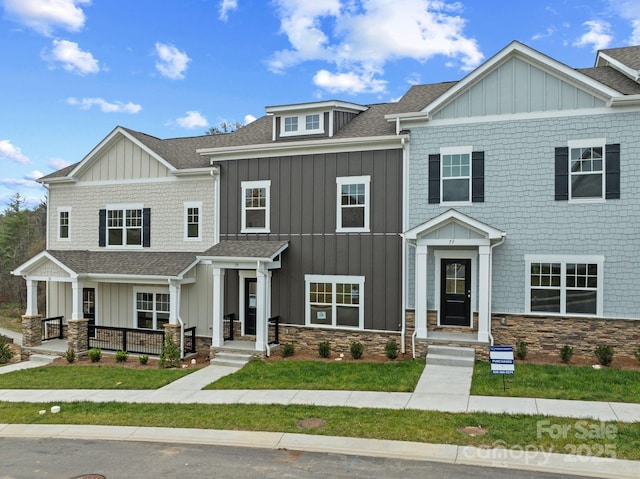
pixel 501 358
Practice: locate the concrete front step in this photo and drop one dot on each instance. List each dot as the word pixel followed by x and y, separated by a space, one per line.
pixel 450 356
pixel 232 359
pixel 42 358
pixel 459 352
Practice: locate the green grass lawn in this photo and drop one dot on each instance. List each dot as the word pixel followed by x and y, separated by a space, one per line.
pixel 559 382
pixel 400 376
pixel 90 377
pixel 517 431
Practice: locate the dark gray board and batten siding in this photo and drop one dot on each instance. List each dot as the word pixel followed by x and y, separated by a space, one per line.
pixel 303 211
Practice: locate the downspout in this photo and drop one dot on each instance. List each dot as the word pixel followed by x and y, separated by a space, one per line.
pixel 491 286
pixel 415 330
pixel 403 288
pixel 216 206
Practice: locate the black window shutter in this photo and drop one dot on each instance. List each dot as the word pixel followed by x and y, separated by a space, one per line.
pixel 146 227
pixel 612 180
pixel 562 173
pixel 477 176
pixel 434 178
pixel 102 228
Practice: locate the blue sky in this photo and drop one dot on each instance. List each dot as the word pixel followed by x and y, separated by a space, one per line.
pixel 72 70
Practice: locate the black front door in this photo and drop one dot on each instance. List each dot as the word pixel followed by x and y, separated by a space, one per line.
pixel 250 302
pixel 89 309
pixel 455 292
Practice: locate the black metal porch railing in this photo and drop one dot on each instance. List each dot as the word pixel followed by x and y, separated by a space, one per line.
pixel 273 330
pixel 190 340
pixel 52 328
pixel 140 341
pixel 228 320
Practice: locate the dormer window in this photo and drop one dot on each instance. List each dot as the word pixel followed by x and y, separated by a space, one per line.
pixel 291 124
pixel 311 124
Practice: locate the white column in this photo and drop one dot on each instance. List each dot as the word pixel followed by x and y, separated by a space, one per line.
pixel 484 292
pixel 262 304
pixel 174 303
pixel 217 339
pixel 32 298
pixel 76 300
pixel 421 292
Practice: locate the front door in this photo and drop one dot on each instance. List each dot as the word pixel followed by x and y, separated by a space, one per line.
pixel 89 309
pixel 250 303
pixel 455 292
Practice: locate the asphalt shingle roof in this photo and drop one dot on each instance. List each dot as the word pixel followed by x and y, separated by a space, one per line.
pixel 612 78
pixel 245 249
pixel 630 56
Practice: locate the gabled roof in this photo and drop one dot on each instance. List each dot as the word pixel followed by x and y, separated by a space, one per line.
pixel 613 78
pixel 629 56
pixel 246 249
pixel 452 215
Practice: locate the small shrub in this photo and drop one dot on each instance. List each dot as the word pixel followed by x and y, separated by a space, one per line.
pixel 95 355
pixel 288 349
pixel 170 355
pixel 143 359
pixel 566 352
pixel 121 356
pixel 391 350
pixel 356 350
pixel 324 349
pixel 636 353
pixel 522 349
pixel 604 354
pixel 5 351
pixel 70 355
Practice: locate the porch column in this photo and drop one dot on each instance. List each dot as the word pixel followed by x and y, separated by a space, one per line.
pixel 484 292
pixel 421 292
pixel 76 300
pixel 217 339
pixel 32 298
pixel 262 303
pixel 174 303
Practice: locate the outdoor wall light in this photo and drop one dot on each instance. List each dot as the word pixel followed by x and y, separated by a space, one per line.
pixel 503 321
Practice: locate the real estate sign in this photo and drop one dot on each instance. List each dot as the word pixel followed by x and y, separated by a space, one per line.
pixel 501 358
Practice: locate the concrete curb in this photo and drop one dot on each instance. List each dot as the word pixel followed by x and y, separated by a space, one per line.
pixel 514 458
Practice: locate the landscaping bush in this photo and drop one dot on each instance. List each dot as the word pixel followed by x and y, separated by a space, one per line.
pixel 604 354
pixel 324 349
pixel 356 350
pixel 566 352
pixel 288 349
pixel 636 353
pixel 522 349
pixel 5 351
pixel 391 350
pixel 143 359
pixel 70 355
pixel 170 355
pixel 95 354
pixel 121 356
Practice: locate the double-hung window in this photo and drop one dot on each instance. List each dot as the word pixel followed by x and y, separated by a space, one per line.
pixel 564 284
pixel 308 124
pixel 255 206
pixel 193 221
pixel 64 217
pixel 334 301
pixel 124 226
pixel 151 309
pixel 456 175
pixel 353 204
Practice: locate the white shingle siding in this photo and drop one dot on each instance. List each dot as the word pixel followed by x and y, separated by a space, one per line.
pixel 519 199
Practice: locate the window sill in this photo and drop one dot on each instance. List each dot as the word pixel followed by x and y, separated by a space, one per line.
pixel 583 201
pixel 255 230
pixel 353 230
pixel 563 315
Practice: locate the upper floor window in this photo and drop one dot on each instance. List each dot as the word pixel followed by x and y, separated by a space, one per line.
pixel 309 124
pixel 193 221
pixel 124 226
pixel 456 175
pixel 587 170
pixel 291 124
pixel 565 284
pixel 353 204
pixel 64 217
pixel 255 206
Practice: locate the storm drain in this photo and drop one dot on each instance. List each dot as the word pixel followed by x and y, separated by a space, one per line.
pixel 90 476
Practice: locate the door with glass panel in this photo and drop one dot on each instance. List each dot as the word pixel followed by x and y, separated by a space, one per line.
pixel 455 292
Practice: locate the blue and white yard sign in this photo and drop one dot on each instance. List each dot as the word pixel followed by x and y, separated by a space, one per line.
pixel 501 358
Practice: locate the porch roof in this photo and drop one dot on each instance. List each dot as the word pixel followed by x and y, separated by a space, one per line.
pixel 247 250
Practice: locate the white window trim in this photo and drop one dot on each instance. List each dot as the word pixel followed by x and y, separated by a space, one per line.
pixel 247 185
pixel 302 125
pixel 187 205
pixel 589 143
pixel 353 180
pixel 563 260
pixel 455 150
pixel 64 209
pixel 122 207
pixel 333 279
pixel 153 291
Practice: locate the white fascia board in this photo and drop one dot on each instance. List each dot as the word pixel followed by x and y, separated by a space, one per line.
pixel 618 65
pixel 453 215
pixel 87 160
pixel 127 278
pixel 22 270
pixel 626 100
pixel 321 105
pixel 197 171
pixel 304 147
pixel 59 179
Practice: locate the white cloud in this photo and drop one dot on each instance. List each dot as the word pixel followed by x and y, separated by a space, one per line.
pixel 104 105
pixel 172 62
pixel 34 175
pixel 12 153
pixel 194 119
pixel 58 163
pixel 249 119
pixel 349 82
pixel 629 10
pixel 19 182
pixel 73 59
pixel 547 33
pixel 598 35
pixel 360 36
pixel 227 6
pixel 44 16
